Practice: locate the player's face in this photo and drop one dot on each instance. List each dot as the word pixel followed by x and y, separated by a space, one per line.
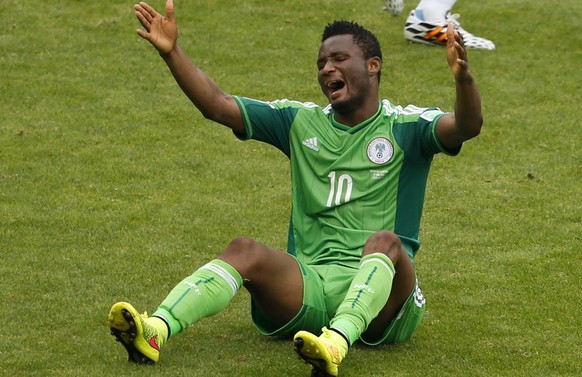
pixel 343 75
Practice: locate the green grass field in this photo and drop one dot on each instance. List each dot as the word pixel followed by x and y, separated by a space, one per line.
pixel 113 187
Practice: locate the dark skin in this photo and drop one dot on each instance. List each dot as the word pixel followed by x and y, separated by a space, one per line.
pixel 341 63
pixel 452 129
pixel 350 82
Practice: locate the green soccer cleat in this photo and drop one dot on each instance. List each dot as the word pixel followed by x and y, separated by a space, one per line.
pixel 324 352
pixel 141 339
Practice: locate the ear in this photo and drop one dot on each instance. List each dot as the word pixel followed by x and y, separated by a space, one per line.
pixel 374 65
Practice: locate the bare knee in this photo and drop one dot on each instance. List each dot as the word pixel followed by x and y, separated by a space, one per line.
pixel 385 242
pixel 241 253
pixel 245 255
pixel 240 245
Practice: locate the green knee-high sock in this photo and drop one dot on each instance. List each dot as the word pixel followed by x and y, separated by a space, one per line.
pixel 367 295
pixel 204 293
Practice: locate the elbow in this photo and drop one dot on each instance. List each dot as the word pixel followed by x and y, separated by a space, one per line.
pixel 474 129
pixel 214 113
pixel 220 109
pixel 478 126
pixel 209 114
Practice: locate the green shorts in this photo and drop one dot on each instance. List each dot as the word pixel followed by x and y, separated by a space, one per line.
pixel 325 287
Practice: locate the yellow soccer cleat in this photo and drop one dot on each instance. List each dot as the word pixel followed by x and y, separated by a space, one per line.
pixel 141 339
pixel 324 352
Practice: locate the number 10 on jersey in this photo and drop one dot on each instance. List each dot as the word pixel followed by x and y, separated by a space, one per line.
pixel 336 189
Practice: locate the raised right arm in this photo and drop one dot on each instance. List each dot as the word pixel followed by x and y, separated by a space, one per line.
pixel 205 94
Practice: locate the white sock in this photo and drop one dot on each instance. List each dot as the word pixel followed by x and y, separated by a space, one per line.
pixel 433 10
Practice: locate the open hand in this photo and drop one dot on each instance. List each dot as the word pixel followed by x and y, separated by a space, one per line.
pixel 456 53
pixel 160 31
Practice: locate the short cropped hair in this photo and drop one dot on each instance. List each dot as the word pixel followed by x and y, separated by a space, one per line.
pixel 362 37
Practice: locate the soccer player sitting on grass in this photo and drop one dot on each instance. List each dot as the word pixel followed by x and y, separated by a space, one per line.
pixel 359 168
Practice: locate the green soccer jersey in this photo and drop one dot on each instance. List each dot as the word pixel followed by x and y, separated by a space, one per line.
pixel 349 182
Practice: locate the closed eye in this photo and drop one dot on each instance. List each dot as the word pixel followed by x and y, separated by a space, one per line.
pixel 335 57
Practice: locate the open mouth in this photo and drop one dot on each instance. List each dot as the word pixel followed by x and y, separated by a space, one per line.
pixel 335 86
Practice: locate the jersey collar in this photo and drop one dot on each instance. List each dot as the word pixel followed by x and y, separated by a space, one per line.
pixel 356 128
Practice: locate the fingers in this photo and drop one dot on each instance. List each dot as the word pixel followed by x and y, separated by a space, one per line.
pixel 460 48
pixel 450 34
pixel 143 21
pixel 170 9
pixel 456 43
pixel 456 52
pixel 453 36
pixel 146 10
pixel 145 14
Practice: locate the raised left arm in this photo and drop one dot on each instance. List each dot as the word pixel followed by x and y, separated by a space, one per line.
pixel 466 120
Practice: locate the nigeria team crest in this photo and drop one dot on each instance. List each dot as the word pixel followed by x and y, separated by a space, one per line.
pixel 380 150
